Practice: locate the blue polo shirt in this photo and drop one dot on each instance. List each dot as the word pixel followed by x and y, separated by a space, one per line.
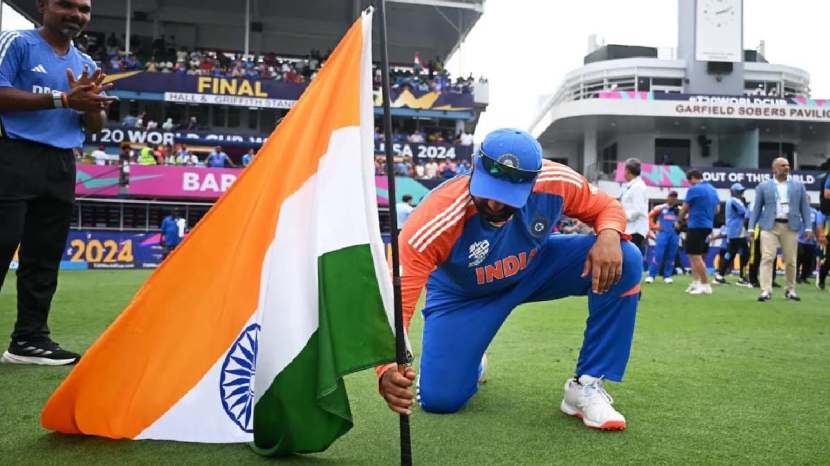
pixel 216 160
pixel 28 63
pixel 703 202
pixel 827 182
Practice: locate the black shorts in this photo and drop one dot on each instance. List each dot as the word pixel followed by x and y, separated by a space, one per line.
pixel 696 240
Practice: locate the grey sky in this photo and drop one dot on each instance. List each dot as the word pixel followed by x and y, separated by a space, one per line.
pixel 525 47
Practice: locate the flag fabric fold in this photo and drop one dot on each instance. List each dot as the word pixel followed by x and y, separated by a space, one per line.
pixel 245 332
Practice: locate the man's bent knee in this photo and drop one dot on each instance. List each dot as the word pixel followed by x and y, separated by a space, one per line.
pixel 632 267
pixel 442 401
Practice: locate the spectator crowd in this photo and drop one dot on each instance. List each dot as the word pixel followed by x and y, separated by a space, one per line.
pixel 165 56
pixel 162 154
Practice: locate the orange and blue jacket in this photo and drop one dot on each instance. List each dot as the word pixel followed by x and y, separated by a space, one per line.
pixel 445 245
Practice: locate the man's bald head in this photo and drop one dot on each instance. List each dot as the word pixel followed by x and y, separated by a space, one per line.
pixel 780 168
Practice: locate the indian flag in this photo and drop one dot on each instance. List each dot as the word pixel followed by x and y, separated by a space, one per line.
pixel 245 332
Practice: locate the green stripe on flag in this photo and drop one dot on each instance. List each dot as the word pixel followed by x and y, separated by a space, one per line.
pixel 306 407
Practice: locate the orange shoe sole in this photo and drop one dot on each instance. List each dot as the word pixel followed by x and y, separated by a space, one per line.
pixel 606 426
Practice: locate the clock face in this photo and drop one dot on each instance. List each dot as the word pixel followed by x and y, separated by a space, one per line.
pixel 721 13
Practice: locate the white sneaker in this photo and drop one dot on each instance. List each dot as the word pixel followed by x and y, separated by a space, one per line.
pixel 702 289
pixel 588 400
pixel 692 286
pixel 482 370
pixel 649 279
pixel 668 280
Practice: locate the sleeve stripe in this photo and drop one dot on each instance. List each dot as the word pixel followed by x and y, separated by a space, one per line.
pixel 443 219
pixel 458 217
pixel 6 40
pixel 560 168
pixel 559 178
pixel 557 172
pixel 423 231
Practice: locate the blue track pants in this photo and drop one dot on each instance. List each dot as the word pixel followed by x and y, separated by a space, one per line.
pixel 457 330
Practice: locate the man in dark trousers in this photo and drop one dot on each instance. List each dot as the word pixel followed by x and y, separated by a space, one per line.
pixel 50 94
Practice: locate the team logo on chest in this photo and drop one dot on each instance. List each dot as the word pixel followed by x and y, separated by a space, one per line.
pixel 478 252
pixel 539 226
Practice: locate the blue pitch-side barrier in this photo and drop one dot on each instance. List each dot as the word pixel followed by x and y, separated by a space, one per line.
pixel 109 250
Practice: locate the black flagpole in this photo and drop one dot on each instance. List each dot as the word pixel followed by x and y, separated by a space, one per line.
pixel 400 340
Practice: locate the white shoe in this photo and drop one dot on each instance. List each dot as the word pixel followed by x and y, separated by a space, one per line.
pixel 649 279
pixel 702 289
pixel 692 286
pixel 668 280
pixel 588 400
pixel 482 370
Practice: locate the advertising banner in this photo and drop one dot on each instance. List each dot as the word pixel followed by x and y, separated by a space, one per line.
pixel 184 88
pixel 223 91
pixel 424 152
pixel 674 176
pixel 111 250
pixel 724 106
pixel 199 183
pixel 114 135
pixel 156 181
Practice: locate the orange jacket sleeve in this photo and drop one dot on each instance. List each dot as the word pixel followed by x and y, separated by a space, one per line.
pixel 581 200
pixel 652 217
pixel 427 239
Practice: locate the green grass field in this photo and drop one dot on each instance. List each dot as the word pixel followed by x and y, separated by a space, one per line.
pixel 712 380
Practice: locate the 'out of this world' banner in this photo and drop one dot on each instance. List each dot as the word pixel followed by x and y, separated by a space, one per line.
pixel 674 176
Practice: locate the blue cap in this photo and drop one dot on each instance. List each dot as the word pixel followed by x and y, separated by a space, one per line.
pixel 512 147
pixel 737 187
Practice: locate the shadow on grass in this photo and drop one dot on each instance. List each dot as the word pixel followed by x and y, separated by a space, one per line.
pixel 77 449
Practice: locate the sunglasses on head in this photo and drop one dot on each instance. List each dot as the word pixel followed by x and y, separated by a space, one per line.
pixel 501 171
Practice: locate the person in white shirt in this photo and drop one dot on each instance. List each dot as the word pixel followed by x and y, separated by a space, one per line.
pixel 100 156
pixel 466 139
pixel 635 202
pixel 404 209
pixel 431 169
pixel 416 138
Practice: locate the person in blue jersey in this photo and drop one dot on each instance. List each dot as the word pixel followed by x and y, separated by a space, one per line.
pixel 51 94
pixel 663 219
pixel 807 249
pixel 736 245
pixel 823 238
pixel 218 159
pixel 699 210
pixel 481 246
pixel 172 232
pixel 248 157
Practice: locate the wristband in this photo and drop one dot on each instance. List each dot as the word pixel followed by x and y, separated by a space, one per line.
pixel 58 99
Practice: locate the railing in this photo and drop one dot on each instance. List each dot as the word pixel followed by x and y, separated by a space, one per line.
pixel 94 213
